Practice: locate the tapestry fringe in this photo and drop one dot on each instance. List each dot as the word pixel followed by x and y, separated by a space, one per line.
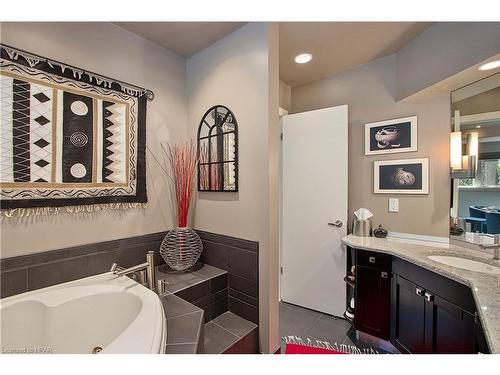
pixel 87 208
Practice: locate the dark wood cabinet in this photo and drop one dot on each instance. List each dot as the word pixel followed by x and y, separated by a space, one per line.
pixel 418 310
pixel 373 291
pixel 480 344
pixel 423 322
pixel 449 328
pixel 408 316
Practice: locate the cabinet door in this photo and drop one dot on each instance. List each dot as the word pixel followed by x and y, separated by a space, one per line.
pixel 372 304
pixel 407 316
pixel 449 328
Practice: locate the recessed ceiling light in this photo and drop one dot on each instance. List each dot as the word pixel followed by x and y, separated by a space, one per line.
pixel 490 65
pixel 303 58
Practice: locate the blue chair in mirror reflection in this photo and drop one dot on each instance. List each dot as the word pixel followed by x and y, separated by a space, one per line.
pixel 477 219
pixel 493 222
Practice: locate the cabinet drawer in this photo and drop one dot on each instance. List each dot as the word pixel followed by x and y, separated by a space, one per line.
pixel 373 259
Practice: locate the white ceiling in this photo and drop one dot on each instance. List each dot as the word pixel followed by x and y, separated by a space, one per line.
pixel 335 46
pixel 338 46
pixel 183 38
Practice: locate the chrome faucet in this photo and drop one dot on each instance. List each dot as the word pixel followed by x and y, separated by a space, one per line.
pixel 494 246
pixel 148 266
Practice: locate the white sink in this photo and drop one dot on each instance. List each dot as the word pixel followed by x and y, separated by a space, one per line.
pixel 466 264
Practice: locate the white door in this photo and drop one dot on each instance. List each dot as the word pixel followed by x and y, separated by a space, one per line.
pixel 315 209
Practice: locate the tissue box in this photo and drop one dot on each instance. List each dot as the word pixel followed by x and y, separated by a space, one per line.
pixel 362 228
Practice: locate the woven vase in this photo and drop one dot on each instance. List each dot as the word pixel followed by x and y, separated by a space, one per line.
pixel 181 248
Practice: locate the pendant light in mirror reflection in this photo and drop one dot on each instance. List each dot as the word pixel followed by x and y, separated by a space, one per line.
pixel 218 150
pixel 463 165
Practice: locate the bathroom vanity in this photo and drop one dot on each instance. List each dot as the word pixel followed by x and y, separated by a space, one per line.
pixel 406 294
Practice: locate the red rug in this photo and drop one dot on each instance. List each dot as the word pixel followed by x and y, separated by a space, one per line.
pixel 302 349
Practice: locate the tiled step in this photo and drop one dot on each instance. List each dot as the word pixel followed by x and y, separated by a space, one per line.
pixel 203 286
pixel 231 334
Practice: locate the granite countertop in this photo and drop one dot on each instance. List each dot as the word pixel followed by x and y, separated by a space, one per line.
pixel 485 287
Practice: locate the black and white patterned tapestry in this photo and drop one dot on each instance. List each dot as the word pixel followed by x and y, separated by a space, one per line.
pixel 68 137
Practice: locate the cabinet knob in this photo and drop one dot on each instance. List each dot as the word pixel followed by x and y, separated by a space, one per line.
pixel 419 291
pixel 384 275
pixel 429 297
pixel 371 259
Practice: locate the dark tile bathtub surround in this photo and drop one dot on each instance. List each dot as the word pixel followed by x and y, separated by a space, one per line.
pixel 34 271
pixel 240 258
pixel 185 326
pixel 204 287
pixel 238 290
pixel 229 334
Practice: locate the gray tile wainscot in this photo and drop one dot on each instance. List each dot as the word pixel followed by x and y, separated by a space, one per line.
pixel 38 270
pixel 485 287
pixel 240 258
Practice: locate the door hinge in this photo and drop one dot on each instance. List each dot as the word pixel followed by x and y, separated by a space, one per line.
pixel 281 136
pixel 281 270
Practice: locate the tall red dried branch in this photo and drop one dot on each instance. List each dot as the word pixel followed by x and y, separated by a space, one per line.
pixel 215 172
pixel 183 159
pixel 204 168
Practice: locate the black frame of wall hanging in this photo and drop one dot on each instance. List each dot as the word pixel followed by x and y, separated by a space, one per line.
pixel 220 147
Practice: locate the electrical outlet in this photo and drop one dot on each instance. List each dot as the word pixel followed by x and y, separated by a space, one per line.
pixel 393 205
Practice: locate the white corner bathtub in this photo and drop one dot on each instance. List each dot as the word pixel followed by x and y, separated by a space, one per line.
pixel 103 313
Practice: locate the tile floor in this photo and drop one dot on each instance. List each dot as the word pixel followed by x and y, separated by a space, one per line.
pixel 305 323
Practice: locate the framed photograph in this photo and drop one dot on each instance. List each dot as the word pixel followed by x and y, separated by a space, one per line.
pixel 391 136
pixel 406 176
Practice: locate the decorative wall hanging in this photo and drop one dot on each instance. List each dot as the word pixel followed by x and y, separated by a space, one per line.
pixel 69 137
pixel 407 176
pixel 391 136
pixel 218 150
pixel 181 248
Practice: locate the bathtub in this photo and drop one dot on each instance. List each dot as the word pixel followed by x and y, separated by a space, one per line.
pixel 98 314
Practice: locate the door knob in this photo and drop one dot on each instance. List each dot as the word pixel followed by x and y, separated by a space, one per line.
pixel 336 223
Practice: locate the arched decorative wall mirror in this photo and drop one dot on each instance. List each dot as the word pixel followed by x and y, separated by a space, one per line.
pixel 218 150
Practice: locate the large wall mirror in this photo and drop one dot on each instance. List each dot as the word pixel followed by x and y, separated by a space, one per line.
pixel 475 203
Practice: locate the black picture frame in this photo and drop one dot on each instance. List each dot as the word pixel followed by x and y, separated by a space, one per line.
pixel 217 147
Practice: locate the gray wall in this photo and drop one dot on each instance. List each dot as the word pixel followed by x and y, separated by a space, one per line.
pixel 369 90
pixel 240 72
pixel 443 50
pixel 109 50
